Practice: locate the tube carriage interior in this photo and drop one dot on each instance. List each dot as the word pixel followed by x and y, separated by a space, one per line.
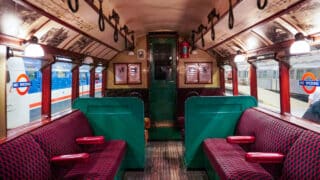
pixel 159 88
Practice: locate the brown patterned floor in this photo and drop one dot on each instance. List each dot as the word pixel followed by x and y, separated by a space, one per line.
pixel 165 162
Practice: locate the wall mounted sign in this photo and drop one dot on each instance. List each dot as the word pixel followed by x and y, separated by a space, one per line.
pixel 141 54
pixel 120 73
pixel 205 73
pixel 127 73
pixel 134 73
pixel 198 73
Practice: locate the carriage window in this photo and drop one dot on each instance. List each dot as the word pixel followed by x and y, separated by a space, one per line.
pixel 268 85
pixel 300 97
pixel 24 88
pixel 243 78
pixel 228 80
pixel 61 83
pixel 84 81
pixel 98 82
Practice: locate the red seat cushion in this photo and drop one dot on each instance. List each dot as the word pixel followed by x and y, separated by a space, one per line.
pixel 264 157
pixel 90 140
pixel 70 158
pixel 101 164
pixel 229 161
pixel 241 139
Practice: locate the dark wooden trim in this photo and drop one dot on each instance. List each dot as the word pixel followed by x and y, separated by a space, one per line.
pixel 75 83
pixel 46 91
pixel 21 130
pixel 3 99
pixel 304 123
pixel 44 13
pixel 235 80
pixel 10 41
pixel 280 13
pixel 253 81
pixel 16 43
pixel 92 81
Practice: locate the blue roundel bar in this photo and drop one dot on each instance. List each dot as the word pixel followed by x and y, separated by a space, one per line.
pixel 309 82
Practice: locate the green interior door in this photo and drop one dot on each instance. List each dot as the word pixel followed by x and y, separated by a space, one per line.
pixel 162 91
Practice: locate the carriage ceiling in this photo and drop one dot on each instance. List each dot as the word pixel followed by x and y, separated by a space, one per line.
pixel 56 26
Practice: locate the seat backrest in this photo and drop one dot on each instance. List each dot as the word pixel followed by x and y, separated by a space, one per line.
pixel 58 137
pixel 23 158
pixel 272 134
pixel 303 159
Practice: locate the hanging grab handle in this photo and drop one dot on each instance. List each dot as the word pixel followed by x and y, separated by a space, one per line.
pixel 213 33
pixel 231 17
pixel 101 19
pixel 202 40
pixel 73 9
pixel 115 34
pixel 262 6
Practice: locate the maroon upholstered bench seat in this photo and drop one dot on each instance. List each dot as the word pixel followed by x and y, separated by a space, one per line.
pixel 22 158
pixel 300 147
pixel 229 161
pixel 42 153
pixel 101 165
pixel 59 137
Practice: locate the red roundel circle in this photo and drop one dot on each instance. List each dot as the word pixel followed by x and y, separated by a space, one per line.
pixel 313 77
pixel 26 79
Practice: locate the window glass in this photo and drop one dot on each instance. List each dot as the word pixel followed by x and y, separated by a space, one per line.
pixel 243 78
pixel 228 80
pixel 24 89
pixel 268 85
pixel 61 84
pixel 300 65
pixel 98 82
pixel 84 81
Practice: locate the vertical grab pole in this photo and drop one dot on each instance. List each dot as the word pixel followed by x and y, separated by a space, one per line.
pixel 46 91
pixel 222 83
pixel 284 68
pixel 104 82
pixel 253 81
pixel 235 79
pixel 75 83
pixel 92 81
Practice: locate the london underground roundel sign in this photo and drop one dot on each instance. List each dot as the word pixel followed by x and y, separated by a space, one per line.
pixel 22 84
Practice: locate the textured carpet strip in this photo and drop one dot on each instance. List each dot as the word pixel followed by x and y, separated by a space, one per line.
pixel 164 162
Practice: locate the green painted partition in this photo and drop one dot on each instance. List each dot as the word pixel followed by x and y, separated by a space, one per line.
pixel 210 117
pixel 118 118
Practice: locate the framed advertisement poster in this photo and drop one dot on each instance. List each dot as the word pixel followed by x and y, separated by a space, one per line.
pixel 120 73
pixel 134 73
pixel 205 73
pixel 191 73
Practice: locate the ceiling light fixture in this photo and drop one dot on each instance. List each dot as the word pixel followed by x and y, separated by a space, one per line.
pixel 239 57
pixel 88 60
pixel 300 45
pixel 33 49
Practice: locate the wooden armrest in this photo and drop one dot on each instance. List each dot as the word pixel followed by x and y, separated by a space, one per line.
pixel 70 158
pixel 264 157
pixel 241 139
pixel 90 140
